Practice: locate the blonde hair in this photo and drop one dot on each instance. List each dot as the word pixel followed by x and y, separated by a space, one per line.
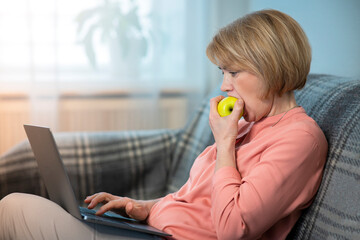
pixel 267 43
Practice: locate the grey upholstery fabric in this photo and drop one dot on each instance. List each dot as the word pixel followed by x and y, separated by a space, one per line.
pixel 149 164
pixel 192 141
pixel 134 164
pixel 334 102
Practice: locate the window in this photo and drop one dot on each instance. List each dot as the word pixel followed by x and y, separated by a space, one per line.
pixel 41 43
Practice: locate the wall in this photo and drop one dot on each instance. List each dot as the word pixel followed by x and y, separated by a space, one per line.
pixel 333 30
pixel 332 26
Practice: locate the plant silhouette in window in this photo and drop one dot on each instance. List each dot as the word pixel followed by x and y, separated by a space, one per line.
pixel 121 31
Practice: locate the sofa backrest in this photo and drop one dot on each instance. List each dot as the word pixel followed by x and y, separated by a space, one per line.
pixel 192 141
pixel 334 103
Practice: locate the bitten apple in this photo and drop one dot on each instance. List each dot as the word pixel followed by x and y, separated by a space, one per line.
pixel 226 106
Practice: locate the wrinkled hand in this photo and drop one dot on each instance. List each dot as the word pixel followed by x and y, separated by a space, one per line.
pixel 127 207
pixel 225 129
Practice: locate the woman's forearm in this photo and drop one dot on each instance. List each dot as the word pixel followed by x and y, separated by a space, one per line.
pixel 225 156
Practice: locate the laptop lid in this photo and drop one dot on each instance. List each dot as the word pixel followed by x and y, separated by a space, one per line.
pixel 52 169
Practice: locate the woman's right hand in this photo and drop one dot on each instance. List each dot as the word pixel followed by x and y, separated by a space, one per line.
pixel 127 207
pixel 225 129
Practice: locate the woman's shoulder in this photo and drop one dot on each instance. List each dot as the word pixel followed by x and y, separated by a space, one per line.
pixel 301 120
pixel 300 124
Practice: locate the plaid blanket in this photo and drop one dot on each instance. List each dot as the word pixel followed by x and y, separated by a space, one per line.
pixel 149 164
pixel 130 163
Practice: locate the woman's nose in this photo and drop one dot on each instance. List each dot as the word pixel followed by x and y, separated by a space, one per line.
pixel 226 85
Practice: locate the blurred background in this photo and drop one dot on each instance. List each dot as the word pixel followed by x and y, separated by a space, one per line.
pixel 107 65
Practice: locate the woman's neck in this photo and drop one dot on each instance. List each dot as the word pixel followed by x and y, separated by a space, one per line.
pixel 282 103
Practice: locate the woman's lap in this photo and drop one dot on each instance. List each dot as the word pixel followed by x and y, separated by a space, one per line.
pixel 25 216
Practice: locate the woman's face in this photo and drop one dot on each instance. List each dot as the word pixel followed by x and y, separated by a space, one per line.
pixel 244 85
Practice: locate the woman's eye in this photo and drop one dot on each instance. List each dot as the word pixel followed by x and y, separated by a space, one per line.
pixel 233 74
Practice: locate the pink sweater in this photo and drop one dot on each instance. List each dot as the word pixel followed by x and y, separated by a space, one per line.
pixel 278 172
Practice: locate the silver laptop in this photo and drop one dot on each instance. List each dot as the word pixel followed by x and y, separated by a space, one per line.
pixel 57 183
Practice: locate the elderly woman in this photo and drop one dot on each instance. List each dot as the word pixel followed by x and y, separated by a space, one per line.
pixel 262 171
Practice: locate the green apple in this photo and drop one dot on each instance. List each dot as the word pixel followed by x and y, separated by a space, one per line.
pixel 226 106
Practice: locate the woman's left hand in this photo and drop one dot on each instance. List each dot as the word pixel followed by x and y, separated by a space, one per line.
pixel 225 129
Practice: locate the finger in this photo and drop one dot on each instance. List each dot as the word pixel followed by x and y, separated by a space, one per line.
pixel 129 208
pixel 100 198
pixel 238 109
pixel 136 211
pixel 89 198
pixel 113 204
pixel 213 105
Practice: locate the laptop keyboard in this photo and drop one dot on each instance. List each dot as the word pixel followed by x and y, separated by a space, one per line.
pixel 110 217
pixel 91 212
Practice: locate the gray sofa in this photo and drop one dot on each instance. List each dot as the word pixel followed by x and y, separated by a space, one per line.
pixel 149 164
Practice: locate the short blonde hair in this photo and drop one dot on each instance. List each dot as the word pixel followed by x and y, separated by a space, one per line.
pixel 267 43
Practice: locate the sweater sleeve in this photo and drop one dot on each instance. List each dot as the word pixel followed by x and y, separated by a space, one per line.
pixel 284 180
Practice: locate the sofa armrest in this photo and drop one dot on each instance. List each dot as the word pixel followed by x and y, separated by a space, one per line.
pixel 127 163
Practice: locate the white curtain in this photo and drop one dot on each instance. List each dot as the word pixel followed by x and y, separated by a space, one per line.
pixel 153 48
